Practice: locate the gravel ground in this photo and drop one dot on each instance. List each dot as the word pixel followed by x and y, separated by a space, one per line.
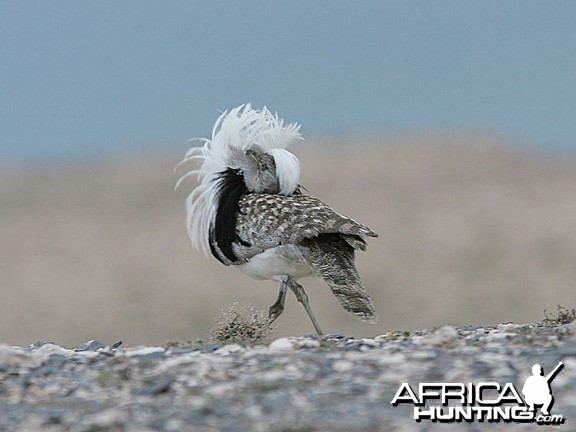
pixel 303 383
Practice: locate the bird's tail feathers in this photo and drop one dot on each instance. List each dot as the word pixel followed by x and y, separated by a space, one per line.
pixel 332 257
pixel 355 300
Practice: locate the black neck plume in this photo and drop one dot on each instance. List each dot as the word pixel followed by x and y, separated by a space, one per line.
pixel 231 187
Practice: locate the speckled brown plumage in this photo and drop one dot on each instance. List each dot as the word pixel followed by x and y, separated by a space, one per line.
pixel 267 220
pixel 324 239
pixel 332 257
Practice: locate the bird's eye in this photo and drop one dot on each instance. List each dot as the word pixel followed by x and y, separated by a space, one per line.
pixel 263 166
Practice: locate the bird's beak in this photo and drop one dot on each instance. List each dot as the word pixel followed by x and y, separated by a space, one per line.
pixel 252 153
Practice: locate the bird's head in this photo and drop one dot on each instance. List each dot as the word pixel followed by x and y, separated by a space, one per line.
pixel 276 171
pixel 260 172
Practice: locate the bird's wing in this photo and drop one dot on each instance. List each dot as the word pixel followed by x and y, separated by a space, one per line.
pixel 269 220
pixel 325 239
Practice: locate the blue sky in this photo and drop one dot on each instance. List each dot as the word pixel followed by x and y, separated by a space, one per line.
pixel 88 78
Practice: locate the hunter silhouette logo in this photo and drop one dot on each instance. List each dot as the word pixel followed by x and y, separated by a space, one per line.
pixel 537 390
pixel 483 401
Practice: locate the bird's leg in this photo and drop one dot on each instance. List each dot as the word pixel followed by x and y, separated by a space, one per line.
pixel 278 307
pixel 303 298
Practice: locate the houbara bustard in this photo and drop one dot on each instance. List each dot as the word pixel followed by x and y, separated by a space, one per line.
pixel 249 212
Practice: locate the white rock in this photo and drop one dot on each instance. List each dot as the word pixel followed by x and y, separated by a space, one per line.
pixel 569 328
pixel 342 365
pixel 308 343
pixel 370 342
pixel 495 335
pixel 393 359
pixel 272 376
pixel 49 349
pixel 445 335
pixel 176 362
pixel 221 389
pixel 17 356
pixel 509 327
pixel 140 351
pixel 283 344
pixel 292 371
pixel 108 418
pixel 230 349
pixel 45 351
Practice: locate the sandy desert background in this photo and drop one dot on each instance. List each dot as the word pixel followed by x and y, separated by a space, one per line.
pixel 472 230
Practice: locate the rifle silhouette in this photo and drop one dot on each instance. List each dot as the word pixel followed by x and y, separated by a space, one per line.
pixel 552 374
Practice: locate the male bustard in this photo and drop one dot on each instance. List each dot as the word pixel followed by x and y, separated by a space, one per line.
pixel 248 210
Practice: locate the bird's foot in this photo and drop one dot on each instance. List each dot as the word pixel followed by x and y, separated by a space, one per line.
pixel 278 307
pixel 275 311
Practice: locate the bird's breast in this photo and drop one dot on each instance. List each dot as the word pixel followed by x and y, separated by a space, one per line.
pixel 277 263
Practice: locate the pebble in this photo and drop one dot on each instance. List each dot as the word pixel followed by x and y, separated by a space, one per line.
pixel 108 419
pixel 569 328
pixel 508 327
pixel 142 351
pixel 445 335
pixel 342 365
pixel 92 345
pixel 283 344
pixel 155 385
pixel 308 343
pixel 229 349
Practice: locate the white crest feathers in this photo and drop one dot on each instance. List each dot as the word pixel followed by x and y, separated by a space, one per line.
pixel 238 129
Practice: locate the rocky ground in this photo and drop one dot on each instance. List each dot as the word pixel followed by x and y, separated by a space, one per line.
pixel 304 383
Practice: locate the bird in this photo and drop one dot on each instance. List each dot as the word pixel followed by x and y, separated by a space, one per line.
pixel 249 211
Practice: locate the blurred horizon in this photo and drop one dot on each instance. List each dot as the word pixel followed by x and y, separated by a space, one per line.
pixel 471 231
pixel 87 80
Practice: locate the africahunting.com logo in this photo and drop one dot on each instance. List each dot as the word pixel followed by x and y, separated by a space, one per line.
pixel 483 401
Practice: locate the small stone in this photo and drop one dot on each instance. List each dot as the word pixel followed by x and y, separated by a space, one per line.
pixel 229 349
pixel 111 418
pixel 508 327
pixel 337 336
pixel 17 356
pixel 54 416
pixel 496 335
pixel 47 350
pixel 282 344
pixel 141 351
pixel 209 348
pixel 183 350
pixel 445 335
pixel 38 344
pixel 220 390
pixel 152 357
pixel 342 366
pixel 156 386
pixel 423 354
pixel 369 342
pixel 92 345
pixel 308 343
pixel 569 328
